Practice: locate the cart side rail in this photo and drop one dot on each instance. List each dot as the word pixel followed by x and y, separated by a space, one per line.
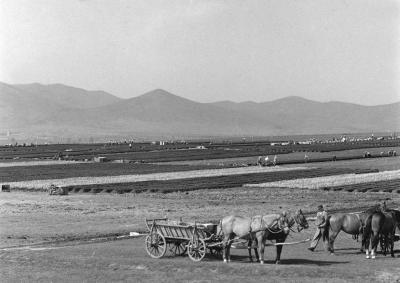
pixel 179 231
pixel 150 222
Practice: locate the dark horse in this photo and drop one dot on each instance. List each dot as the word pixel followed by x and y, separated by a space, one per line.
pixel 350 223
pixel 385 241
pixel 380 225
pixel 280 236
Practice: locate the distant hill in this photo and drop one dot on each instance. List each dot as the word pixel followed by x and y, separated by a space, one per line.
pixel 296 115
pixel 67 96
pixel 25 105
pixel 60 110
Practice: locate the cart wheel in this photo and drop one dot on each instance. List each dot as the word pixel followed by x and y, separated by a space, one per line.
pixel 197 249
pixel 178 249
pixel 155 245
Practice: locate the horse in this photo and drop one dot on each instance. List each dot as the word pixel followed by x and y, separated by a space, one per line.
pixel 383 239
pixel 350 223
pixel 379 224
pixel 280 236
pixel 257 227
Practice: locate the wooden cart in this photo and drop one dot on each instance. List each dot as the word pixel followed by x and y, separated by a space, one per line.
pixel 181 238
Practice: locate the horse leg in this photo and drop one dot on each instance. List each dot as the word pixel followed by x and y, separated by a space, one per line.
pixel 392 235
pixel 331 242
pixel 224 249
pixel 362 241
pixel 225 244
pixel 392 247
pixel 229 252
pixel 384 243
pixel 229 247
pixel 366 244
pixel 279 250
pixel 249 244
pixel 367 250
pixel 375 240
pixel 257 255
pixel 255 246
pixel 261 246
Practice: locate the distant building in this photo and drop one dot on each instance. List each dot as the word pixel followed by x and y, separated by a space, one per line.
pixel 100 159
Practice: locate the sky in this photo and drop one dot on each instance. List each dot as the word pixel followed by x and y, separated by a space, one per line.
pixel 238 50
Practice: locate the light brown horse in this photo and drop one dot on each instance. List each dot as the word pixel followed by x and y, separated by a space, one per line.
pixel 280 236
pixel 255 228
pixel 350 223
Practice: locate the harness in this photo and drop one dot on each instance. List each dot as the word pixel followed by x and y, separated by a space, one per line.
pixel 276 227
pixel 280 227
pixel 261 225
pixel 292 222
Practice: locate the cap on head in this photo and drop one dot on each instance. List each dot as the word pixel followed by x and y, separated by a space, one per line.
pixel 320 207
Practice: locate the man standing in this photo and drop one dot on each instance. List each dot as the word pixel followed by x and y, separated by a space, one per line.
pixel 322 217
pixel 266 161
pixel 259 161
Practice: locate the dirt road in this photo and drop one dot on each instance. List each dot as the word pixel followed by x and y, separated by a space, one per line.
pixel 126 260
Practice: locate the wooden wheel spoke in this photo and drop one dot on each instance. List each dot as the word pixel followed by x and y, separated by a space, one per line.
pixel 177 248
pixel 155 245
pixel 197 249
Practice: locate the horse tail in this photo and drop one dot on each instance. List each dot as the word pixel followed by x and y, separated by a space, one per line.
pixel 325 233
pixel 367 231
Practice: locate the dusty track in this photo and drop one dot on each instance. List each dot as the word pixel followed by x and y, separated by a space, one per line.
pixel 126 260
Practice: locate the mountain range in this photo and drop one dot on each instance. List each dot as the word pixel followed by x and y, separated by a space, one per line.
pixel 60 110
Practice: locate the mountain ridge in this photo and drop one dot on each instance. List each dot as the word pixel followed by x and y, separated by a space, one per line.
pixel 60 109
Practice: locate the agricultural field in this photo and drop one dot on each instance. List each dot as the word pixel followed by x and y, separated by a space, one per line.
pixel 46 238
pixel 86 169
pixel 142 178
pixel 332 181
pixel 291 158
pixel 187 151
pixel 128 177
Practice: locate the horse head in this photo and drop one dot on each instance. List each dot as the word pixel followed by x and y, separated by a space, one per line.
pixel 299 219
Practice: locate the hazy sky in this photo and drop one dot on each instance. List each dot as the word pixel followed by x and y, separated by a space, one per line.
pixel 207 51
